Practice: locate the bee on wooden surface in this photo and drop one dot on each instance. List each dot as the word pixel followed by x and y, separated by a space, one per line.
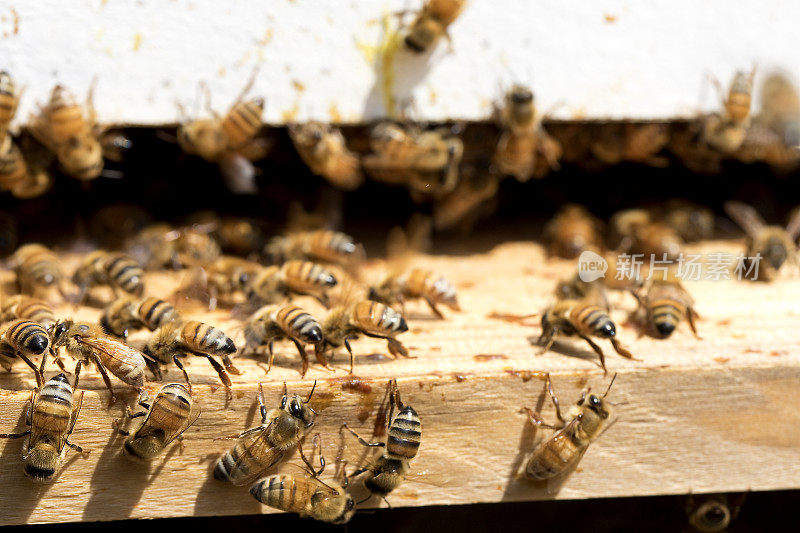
pixel 774 244
pixel 572 230
pixel 416 283
pixel 690 221
pixel 51 416
pixel 166 418
pixel 274 284
pixel 13 168
pixel 19 306
pixel 431 24
pixel 275 322
pixel 583 319
pixel 637 143
pixel 319 245
pixel 174 340
pixel 235 235
pixel 218 282
pixel 524 139
pixel 161 245
pixel 37 269
pixel 120 316
pixel 88 343
pixel 347 321
pixel 726 132
pixel 574 288
pixel 260 448
pixel 322 147
pixel 637 232
pixel 25 339
pixel 562 451
pixel 664 304
pixel 713 513
pixel 9 101
pixel 154 313
pixel 117 270
pixel 308 496
pixel 404 433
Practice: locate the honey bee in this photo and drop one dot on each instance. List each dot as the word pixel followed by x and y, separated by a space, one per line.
pixel 114 269
pixel 274 283
pixel 170 414
pixel 563 450
pixel 308 496
pixel 235 235
pixel 584 319
pixel 154 313
pixel 524 138
pixel 20 306
pixel 637 143
pixel 713 513
pixel 318 245
pixel 88 343
pixel 322 147
pixel 780 109
pixel 472 198
pixel 404 433
pixel 574 288
pixel 572 230
pixel 260 448
pixel 9 101
pixel 174 340
pixel 431 24
pixel 639 233
pixel 13 168
pixel 691 222
pixel 726 132
pixel 24 339
pixel 663 306
pixel 37 269
pixel 774 244
pixel 413 284
pixel 160 245
pixel 51 416
pixel 228 275
pixel 345 322
pixel 119 317
pixel 275 322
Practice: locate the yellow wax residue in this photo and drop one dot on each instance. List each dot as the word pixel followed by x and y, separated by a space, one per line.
pixel 382 57
pixel 267 37
pixel 333 111
pixel 299 87
pixel 290 114
pixel 137 41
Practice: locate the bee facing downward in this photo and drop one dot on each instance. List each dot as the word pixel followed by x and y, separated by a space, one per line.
pixel 431 23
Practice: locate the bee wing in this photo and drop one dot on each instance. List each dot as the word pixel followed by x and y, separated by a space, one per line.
pixel 149 426
pixel 746 216
pixel 114 349
pixel 238 173
pixel 793 227
pixel 256 445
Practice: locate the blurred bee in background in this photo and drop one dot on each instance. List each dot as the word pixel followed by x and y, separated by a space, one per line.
pixel 154 313
pixel 634 231
pixel 664 304
pixel 774 244
pixel 231 141
pixel 726 131
pixel 9 101
pixel 119 317
pixel 117 270
pixel 273 284
pixel 574 288
pixel 274 322
pixel 166 419
pixel 326 246
pixel 322 147
pixel 572 230
pixel 13 168
pixel 116 223
pixel 20 306
pixel 37 269
pixel 51 416
pixel 474 197
pixel 260 448
pixel 558 454
pixel 431 24
pixel 218 282
pixel 239 236
pixel 23 339
pixel 713 513
pixel 690 221
pixel 524 138
pixel 88 343
pixel 161 245
pixel 583 319
pixel 637 143
pixel 174 340
pixel 404 433
pixel 9 234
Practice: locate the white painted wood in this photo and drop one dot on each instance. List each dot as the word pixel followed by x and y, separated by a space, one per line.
pixel 609 59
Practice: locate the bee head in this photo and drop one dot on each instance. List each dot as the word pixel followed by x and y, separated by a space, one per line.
pixel 41 462
pixel 59 331
pixel 296 407
pixel 775 252
pixel 520 95
pixel 348 511
pixel 712 515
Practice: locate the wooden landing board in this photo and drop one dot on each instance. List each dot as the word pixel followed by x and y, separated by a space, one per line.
pixel 715 414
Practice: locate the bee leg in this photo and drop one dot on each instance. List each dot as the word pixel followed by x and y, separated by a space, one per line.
pixel 229 366
pixel 77 448
pixel 177 360
pixel 536 421
pixel 622 350
pixel 433 307
pixel 60 365
pixel 597 350
pixel 319 356
pixel 223 375
pixel 15 435
pixel 78 367
pixel 155 368
pixel 362 441
pixel 261 407
pixel 396 348
pixel 112 400
pixel 690 316
pixel 37 373
pixel 350 351
pixel 548 336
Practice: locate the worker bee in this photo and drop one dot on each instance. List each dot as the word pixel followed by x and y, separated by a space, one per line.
pixel 345 322
pixel 780 109
pixel 726 132
pixel 774 244
pixel 174 340
pixel 431 24
pixel 37 269
pixel 691 222
pixel 19 306
pixel 51 416
pixel 166 418
pixel 260 448
pixel 663 306
pixel 562 451
pixel 117 270
pixel 637 143
pixel 274 283
pixel 319 245
pixel 87 342
pixel 9 101
pixel 13 168
pixel 637 232
pixel 404 433
pixel 413 284
pixel 473 198
pixel 308 496
pixel 584 319
pixel 713 513
pixel 275 322
pixel 154 313
pixel 524 138
pixel 235 235
pixel 572 230
pixel 24 339
pixel 227 276
pixel 574 288
pixel 120 316
pixel 322 147
pixel 160 245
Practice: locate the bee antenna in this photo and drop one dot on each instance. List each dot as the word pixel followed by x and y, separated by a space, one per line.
pixel 285 390
pixel 364 500
pixel 609 385
pixel 310 394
